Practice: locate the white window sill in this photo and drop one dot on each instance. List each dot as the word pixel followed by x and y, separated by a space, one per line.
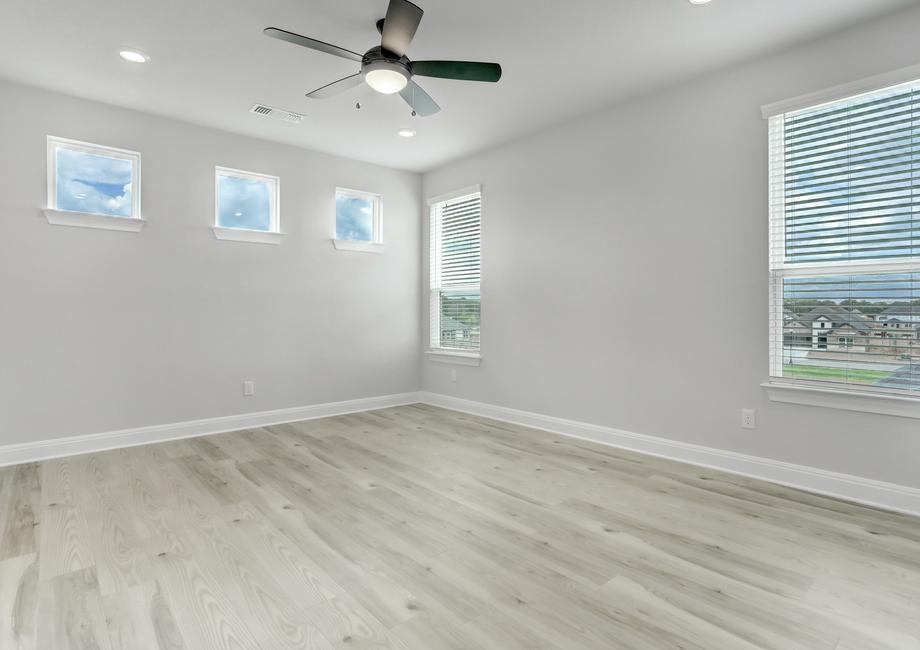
pixel 88 220
pixel 866 402
pixel 456 358
pixel 357 246
pixel 251 236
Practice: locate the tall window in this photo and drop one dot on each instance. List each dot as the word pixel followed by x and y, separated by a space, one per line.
pixel 845 243
pixel 454 253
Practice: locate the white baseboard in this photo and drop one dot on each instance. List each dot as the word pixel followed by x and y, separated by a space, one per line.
pixel 45 449
pixel 888 496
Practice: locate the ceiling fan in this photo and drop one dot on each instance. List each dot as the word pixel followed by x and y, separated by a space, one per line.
pixel 386 68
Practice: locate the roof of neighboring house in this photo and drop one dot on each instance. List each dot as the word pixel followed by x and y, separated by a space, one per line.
pixel 901 310
pixel 449 324
pixel 840 316
pixel 791 319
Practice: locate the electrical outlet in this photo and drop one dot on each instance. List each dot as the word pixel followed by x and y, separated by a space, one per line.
pixel 748 419
pixel 249 388
pixel 453 374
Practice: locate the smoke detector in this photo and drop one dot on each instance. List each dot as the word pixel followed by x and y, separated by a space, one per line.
pixel 278 114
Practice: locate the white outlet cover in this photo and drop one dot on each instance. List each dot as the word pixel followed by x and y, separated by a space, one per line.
pixel 748 419
pixel 249 388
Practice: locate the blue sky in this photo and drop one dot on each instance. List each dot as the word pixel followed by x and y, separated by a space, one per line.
pixel 354 218
pixel 244 203
pixel 92 183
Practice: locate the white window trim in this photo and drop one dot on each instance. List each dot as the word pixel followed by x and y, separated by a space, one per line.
pixel 356 245
pixel 56 217
pixel 272 236
pixel 434 352
pixel 863 399
pixel 871 84
pixel 817 394
pixel 456 357
pixel 249 236
pixel 98 221
pixel 466 191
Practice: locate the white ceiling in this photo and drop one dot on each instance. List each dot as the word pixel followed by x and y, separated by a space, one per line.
pixel 210 61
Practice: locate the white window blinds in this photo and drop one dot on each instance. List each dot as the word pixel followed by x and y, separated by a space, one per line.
pixel 455 254
pixel 845 243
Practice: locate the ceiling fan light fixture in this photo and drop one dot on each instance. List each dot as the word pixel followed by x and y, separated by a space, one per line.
pixel 385 77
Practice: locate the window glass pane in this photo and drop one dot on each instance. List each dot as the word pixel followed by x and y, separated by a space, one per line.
pixel 460 321
pixel 853 329
pixel 244 203
pixel 94 183
pixel 851 185
pixel 354 217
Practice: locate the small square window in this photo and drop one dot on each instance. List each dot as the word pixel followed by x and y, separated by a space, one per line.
pixel 357 216
pixel 92 179
pixel 247 201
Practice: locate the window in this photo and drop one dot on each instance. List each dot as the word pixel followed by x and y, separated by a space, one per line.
pixel 454 256
pixel 93 186
pixel 247 206
pixel 358 221
pixel 845 242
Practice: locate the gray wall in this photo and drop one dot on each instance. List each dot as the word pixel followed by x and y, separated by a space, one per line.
pixel 104 330
pixel 625 267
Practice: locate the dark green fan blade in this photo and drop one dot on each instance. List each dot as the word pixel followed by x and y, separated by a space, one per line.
pixel 463 70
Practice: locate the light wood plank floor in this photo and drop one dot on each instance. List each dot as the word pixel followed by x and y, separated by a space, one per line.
pixel 421 528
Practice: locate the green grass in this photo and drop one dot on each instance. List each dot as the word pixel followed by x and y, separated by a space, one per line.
pixel 834 374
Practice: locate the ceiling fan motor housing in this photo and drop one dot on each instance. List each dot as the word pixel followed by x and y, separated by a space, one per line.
pixel 385 72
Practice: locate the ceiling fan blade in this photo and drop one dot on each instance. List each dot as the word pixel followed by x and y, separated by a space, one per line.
pixel 311 43
pixel 420 101
pixel 400 25
pixel 463 70
pixel 337 87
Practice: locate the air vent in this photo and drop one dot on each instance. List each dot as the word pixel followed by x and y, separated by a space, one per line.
pixel 277 114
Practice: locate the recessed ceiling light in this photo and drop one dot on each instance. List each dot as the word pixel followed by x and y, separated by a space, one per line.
pixel 133 56
pixel 237 214
pixel 406 133
pixel 698 2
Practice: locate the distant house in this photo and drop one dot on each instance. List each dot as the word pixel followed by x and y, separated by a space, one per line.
pixel 900 314
pixel 838 328
pixel 833 328
pixel 796 332
pixel 452 329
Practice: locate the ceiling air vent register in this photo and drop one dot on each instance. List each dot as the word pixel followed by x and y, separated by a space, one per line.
pixel 277 114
